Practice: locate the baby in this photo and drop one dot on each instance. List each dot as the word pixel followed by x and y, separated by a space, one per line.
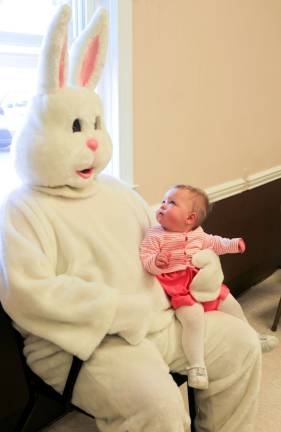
pixel 167 252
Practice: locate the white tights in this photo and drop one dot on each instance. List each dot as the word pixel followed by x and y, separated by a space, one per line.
pixel 193 327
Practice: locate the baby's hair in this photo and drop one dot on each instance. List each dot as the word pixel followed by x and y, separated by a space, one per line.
pixel 201 203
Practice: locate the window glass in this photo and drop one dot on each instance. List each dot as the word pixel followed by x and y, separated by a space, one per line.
pixel 12 11
pixel 20 41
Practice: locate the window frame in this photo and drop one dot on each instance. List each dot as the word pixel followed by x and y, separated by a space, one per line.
pixel 120 75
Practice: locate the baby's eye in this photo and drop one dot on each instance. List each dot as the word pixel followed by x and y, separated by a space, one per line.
pixel 172 202
pixel 98 122
pixel 76 126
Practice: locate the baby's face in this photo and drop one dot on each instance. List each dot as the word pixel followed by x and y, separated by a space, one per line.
pixel 175 210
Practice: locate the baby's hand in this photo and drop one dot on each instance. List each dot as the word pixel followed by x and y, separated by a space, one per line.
pixel 162 259
pixel 241 246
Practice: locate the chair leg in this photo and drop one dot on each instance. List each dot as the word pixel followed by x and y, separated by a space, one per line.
pixel 41 412
pixel 277 317
pixel 181 379
pixel 192 407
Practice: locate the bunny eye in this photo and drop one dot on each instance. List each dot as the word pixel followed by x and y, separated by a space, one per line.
pixel 98 122
pixel 76 126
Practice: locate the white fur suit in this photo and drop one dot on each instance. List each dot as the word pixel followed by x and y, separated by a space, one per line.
pixel 72 280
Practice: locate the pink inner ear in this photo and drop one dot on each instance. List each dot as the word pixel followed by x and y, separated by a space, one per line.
pixel 62 62
pixel 89 62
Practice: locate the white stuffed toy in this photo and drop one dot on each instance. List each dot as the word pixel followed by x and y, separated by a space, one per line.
pixel 206 284
pixel 72 280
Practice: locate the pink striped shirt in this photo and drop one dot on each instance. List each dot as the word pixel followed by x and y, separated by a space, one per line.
pixel 181 245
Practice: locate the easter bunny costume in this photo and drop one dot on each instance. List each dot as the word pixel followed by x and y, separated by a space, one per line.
pixel 72 280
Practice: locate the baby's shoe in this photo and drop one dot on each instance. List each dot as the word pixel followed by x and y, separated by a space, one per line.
pixel 197 377
pixel 268 342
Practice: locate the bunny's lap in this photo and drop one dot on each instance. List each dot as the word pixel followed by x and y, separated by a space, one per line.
pixel 176 285
pixel 129 388
pixel 233 361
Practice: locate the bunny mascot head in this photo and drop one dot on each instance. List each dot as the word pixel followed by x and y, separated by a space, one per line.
pixel 64 141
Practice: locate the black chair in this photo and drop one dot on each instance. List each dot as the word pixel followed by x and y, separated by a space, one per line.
pixel 277 317
pixel 27 403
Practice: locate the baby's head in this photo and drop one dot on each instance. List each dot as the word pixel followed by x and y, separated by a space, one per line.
pixel 183 208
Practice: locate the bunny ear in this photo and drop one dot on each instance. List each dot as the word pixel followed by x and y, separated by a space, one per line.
pixel 88 52
pixel 53 58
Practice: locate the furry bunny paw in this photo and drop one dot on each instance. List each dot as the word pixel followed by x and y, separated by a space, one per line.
pixel 206 284
pixel 133 318
pixel 135 336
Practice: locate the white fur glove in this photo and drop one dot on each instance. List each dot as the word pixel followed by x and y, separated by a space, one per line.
pixel 206 284
pixel 133 317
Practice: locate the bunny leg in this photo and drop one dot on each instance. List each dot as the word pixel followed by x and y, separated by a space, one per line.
pixel 129 389
pixel 233 361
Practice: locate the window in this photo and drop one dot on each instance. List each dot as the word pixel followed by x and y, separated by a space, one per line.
pixel 20 41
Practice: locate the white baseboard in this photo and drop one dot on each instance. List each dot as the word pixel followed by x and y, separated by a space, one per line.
pixel 234 187
pixel 225 190
pixel 264 177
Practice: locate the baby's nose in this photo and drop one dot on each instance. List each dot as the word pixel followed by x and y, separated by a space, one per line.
pixel 92 144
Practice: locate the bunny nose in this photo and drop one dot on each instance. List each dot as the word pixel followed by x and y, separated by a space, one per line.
pixel 92 144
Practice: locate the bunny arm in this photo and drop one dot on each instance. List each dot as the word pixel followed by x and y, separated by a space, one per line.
pixel 72 312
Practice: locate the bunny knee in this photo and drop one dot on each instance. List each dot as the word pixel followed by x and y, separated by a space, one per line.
pixel 160 412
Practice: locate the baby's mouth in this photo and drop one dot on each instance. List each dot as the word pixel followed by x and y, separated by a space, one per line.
pixel 85 173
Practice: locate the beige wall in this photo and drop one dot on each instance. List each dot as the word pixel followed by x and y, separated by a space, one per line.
pixel 207 91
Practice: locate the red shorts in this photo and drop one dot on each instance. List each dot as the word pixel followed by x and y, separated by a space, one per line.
pixel 176 286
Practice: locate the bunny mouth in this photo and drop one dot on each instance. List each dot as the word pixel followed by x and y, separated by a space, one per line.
pixel 85 173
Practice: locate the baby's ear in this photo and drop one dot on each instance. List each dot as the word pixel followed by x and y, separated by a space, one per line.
pixel 88 52
pixel 54 56
pixel 191 218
